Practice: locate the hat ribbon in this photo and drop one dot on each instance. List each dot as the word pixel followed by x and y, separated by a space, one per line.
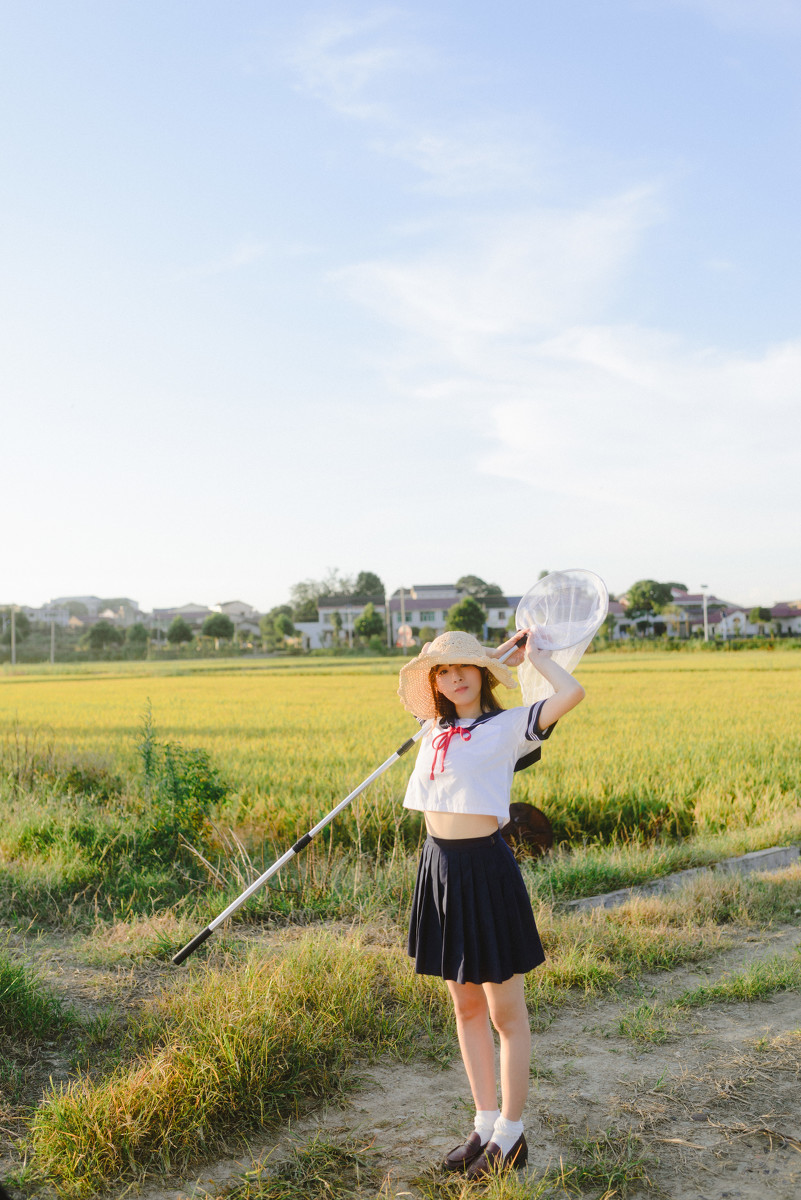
pixel 443 740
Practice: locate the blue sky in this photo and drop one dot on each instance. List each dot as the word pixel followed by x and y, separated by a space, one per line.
pixel 420 289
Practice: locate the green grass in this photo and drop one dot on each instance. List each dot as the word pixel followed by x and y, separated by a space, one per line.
pixel 658 1023
pixel 780 973
pixel 567 874
pixel 612 1162
pixel 28 1007
pixel 249 1044
pixel 320 1170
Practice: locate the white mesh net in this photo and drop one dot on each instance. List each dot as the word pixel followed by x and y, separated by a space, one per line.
pixel 566 610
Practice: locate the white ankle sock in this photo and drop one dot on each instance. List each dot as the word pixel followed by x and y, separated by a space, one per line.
pixel 485 1122
pixel 505 1133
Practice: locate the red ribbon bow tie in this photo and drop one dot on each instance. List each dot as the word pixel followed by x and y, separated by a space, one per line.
pixel 443 740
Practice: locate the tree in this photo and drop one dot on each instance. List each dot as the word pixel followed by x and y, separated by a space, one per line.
pixel 370 623
pixel 276 626
pixel 306 610
pixel 647 597
pixel 137 635
pixel 759 616
pixel 103 634
pixel 218 625
pixel 368 584
pixel 676 614
pixel 336 622
pixel 304 595
pixel 283 626
pixel 22 627
pixel 468 615
pixel 179 631
pixel 474 585
pixel 427 634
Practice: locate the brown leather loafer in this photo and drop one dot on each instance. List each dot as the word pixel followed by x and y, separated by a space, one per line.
pixel 460 1158
pixel 492 1159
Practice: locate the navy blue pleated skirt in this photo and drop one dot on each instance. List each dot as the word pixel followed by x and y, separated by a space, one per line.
pixel 471 918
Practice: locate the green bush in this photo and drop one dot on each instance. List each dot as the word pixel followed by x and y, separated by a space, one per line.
pixel 182 787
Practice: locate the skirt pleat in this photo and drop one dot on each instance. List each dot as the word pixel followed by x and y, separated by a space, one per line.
pixel 471 918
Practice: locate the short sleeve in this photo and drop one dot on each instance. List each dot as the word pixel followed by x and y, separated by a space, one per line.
pixel 534 734
pixel 533 731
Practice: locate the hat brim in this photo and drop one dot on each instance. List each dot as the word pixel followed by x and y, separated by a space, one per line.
pixel 414 688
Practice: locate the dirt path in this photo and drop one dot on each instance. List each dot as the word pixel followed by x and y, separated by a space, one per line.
pixel 715 1109
pixel 710 1108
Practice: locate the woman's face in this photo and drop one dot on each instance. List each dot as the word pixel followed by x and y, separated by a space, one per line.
pixel 460 683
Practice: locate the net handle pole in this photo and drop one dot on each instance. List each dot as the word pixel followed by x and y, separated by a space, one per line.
pixel 299 845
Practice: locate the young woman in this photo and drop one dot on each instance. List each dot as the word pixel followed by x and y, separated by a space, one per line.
pixel 471 919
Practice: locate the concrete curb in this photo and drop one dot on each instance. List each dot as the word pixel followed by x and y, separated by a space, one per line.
pixel 772 859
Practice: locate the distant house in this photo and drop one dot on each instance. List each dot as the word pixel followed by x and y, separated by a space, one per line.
pixel 92 604
pixel 350 608
pixel 428 605
pixel 237 610
pixel 310 633
pixel 734 623
pixel 786 617
pixel 193 614
pixel 500 611
pixel 684 618
pixel 422 604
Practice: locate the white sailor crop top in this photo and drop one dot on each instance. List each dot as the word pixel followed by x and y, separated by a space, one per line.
pixel 466 766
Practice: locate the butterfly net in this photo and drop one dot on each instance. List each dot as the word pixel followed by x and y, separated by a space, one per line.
pixel 565 610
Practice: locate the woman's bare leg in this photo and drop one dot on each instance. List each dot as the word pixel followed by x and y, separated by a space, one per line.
pixel 475 1041
pixel 507 1007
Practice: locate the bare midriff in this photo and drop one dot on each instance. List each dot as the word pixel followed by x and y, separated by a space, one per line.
pixel 454 826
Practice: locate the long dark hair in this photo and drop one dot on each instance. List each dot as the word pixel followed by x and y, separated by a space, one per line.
pixel 446 709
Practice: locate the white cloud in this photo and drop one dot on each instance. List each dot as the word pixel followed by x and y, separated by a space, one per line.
pixel 339 60
pixel 476 158
pixel 498 330
pixel 509 275
pixel 629 418
pixel 351 67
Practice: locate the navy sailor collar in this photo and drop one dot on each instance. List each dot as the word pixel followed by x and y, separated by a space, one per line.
pixel 447 723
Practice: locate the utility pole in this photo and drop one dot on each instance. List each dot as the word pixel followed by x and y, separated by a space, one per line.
pixel 403 617
pixel 706 622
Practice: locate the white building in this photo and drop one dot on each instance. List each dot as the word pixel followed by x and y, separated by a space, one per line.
pixel 237 610
pixel 428 604
pixel 786 617
pixel 349 608
pixel 422 604
pixel 193 614
pixel 310 633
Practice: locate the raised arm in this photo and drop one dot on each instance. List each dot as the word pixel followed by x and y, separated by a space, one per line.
pixel 568 692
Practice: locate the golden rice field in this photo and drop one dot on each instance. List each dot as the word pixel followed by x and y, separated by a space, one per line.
pixel 663 741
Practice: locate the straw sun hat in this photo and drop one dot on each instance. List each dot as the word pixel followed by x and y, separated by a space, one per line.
pixel 454 647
